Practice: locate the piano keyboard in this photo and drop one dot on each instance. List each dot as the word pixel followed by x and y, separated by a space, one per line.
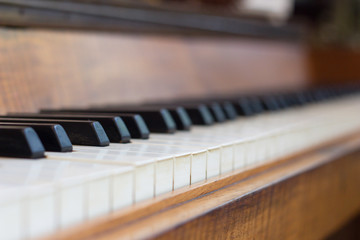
pixel 65 188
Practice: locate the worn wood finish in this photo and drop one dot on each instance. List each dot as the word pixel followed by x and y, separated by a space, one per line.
pixel 45 68
pixel 333 65
pixel 350 230
pixel 307 196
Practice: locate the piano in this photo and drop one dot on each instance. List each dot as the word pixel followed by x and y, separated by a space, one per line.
pixel 176 120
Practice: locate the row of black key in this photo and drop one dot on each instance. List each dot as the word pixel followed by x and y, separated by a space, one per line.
pixel 57 130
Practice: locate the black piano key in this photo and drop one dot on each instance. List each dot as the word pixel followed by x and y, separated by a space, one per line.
pixel 288 99
pixel 281 101
pixel 302 98
pixel 243 107
pixel 309 96
pixel 270 104
pixel 199 114
pixel 181 117
pixel 213 107
pixel 220 108
pixel 178 113
pixel 136 125
pixel 256 105
pixel 157 120
pixel 216 111
pixel 134 122
pixel 20 142
pixel 114 126
pixel 229 110
pixel 297 98
pixel 80 132
pixel 53 136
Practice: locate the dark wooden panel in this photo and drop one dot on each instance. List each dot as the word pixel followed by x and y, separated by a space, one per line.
pixel 350 231
pixel 41 68
pixel 333 65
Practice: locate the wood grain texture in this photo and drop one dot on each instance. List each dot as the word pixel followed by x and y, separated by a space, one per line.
pixel 306 196
pixel 333 65
pixel 44 68
pixel 350 230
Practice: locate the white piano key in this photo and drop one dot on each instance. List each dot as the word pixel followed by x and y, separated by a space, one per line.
pixel 179 159
pixel 227 158
pixel 123 190
pixel 98 193
pixel 12 213
pixel 182 171
pixel 213 162
pixel 164 176
pixel 11 221
pixel 144 166
pixel 74 194
pixel 41 211
pixel 197 158
pixel 144 182
pixel 71 206
pixel 53 192
pixel 198 166
pixel 250 153
pixel 239 155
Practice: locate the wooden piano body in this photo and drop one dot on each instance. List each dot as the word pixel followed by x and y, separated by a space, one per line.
pixel 306 196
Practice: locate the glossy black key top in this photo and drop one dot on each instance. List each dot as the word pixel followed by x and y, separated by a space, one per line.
pixel 270 103
pixel 281 101
pixel 309 96
pixel 294 99
pixel 178 113
pixel 114 126
pixel 220 109
pixel 181 117
pixel 216 111
pixel 53 136
pixel 301 98
pixel 157 120
pixel 256 104
pixel 20 142
pixel 136 125
pixel 134 122
pixel 229 110
pixel 243 107
pixel 213 107
pixel 199 114
pixel 80 132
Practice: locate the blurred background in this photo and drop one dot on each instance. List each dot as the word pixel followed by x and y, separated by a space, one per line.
pixel 81 52
pixel 329 21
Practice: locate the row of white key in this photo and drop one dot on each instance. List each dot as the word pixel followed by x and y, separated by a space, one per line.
pixel 38 197
pixel 41 196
